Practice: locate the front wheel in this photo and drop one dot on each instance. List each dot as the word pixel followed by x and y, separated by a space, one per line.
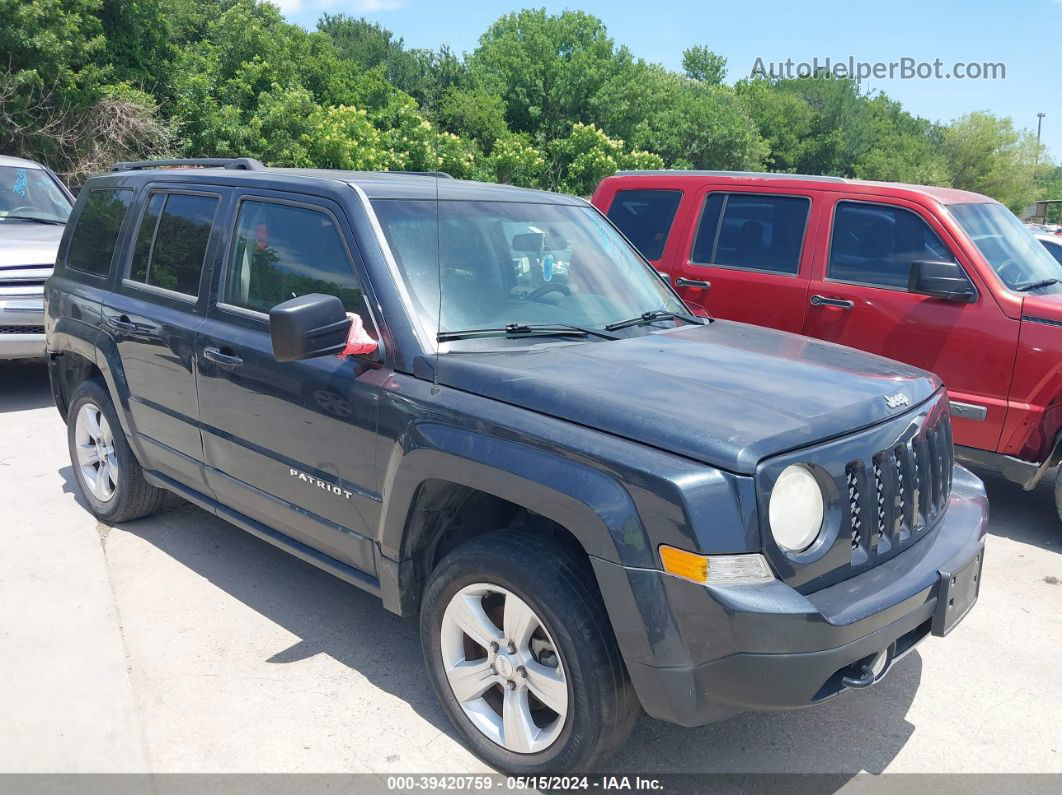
pixel 522 656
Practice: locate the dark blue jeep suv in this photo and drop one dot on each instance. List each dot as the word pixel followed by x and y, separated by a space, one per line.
pixel 481 404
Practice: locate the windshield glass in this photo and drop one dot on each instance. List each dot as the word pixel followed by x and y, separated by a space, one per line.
pixel 31 193
pixel 1015 255
pixel 508 263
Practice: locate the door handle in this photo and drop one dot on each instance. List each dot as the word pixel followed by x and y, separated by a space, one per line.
pixel 221 359
pixel 682 281
pixel 840 303
pixel 122 323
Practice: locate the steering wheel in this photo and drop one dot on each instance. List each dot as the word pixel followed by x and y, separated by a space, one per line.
pixel 546 289
pixel 15 210
pixel 1008 263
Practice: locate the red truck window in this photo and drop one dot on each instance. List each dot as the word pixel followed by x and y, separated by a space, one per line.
pixel 645 217
pixel 740 230
pixel 875 244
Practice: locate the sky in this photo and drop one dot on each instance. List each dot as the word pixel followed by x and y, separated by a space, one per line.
pixel 1024 35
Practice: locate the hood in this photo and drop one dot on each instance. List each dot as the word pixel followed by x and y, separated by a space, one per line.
pixel 1045 306
pixel 24 243
pixel 727 394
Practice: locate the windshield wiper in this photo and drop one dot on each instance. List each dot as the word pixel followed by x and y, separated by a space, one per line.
pixel 649 317
pixel 35 220
pixel 1024 288
pixel 524 330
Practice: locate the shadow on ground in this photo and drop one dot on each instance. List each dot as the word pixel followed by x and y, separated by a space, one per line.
pixel 1026 516
pixel 24 386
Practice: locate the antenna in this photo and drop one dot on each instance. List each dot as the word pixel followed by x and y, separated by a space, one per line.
pixel 438 239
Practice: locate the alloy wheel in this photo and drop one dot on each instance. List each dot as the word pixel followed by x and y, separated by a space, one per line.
pixel 504 668
pixel 96 457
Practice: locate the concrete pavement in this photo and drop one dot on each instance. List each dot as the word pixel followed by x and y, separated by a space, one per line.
pixel 180 643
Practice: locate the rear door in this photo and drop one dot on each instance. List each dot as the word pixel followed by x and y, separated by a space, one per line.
pixel 290 445
pixel 859 298
pixel 153 316
pixel 756 252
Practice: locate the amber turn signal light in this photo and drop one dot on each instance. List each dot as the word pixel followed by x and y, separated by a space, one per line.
pixel 685 564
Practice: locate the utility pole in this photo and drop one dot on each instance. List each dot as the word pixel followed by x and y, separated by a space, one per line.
pixel 1039 123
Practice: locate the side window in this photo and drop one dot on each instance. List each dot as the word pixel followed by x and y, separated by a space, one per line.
pixel 875 244
pixel 645 217
pixel 96 231
pixel 281 251
pixel 172 241
pixel 762 233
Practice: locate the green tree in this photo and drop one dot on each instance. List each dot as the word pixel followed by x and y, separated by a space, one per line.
pixel 514 160
pixel 902 148
pixel 546 68
pixel 783 119
pixel 702 126
pixel 423 74
pixel 473 114
pixel 587 155
pixel 988 155
pixel 700 63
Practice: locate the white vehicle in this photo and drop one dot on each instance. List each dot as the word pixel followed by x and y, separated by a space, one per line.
pixel 1053 243
pixel 34 206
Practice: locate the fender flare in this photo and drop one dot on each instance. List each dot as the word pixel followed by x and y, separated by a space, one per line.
pixel 589 503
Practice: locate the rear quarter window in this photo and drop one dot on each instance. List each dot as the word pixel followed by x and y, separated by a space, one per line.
pixel 645 217
pixel 96 230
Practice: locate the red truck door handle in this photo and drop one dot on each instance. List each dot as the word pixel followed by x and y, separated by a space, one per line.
pixel 682 281
pixel 840 303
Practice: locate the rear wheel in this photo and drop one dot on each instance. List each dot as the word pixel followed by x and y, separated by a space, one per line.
pixel 107 472
pixel 522 656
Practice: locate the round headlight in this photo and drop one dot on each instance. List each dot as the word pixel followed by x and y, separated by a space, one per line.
pixel 796 509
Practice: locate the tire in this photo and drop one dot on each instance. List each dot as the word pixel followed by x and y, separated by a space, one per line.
pixel 568 627
pixel 116 492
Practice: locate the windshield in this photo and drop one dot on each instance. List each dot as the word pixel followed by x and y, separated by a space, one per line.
pixel 505 263
pixel 1015 255
pixel 31 194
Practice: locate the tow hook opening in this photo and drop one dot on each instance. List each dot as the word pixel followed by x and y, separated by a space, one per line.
pixel 865 672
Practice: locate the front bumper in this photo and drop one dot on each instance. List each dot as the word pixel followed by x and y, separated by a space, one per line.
pixel 22 327
pixel 698 654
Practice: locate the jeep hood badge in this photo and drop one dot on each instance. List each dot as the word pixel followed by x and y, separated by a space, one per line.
pixel 897 400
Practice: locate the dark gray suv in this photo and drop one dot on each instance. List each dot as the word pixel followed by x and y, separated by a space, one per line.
pixel 482 405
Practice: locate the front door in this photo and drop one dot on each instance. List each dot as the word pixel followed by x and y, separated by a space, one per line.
pixel 154 314
pixel 751 249
pixel 290 445
pixel 859 298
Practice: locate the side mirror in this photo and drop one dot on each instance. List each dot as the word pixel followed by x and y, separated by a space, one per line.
pixel 308 326
pixel 940 279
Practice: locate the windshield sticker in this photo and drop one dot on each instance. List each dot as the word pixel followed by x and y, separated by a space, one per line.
pixel 19 187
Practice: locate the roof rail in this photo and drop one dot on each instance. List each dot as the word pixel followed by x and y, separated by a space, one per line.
pixel 753 174
pixel 439 174
pixel 238 163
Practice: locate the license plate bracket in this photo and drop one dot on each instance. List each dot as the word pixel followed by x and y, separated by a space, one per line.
pixel 957 593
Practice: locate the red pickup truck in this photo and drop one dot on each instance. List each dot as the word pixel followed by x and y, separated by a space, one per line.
pixel 944 279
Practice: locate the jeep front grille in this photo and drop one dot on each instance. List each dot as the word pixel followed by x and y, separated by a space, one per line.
pixel 908 487
pixel 854 477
